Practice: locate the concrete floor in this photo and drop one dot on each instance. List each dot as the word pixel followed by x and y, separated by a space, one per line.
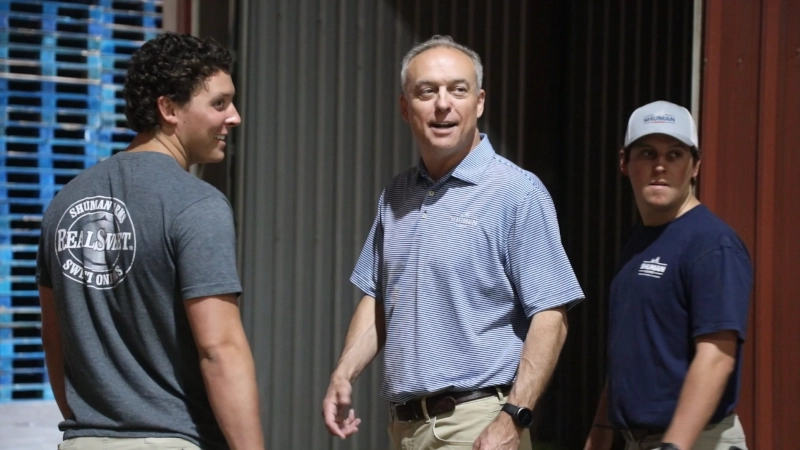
pixel 29 425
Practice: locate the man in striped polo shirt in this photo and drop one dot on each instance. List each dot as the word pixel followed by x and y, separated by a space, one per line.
pixel 465 281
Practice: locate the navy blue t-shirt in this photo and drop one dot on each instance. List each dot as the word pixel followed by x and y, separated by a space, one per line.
pixel 675 282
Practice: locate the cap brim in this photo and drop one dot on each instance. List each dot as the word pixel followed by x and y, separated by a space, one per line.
pixel 684 139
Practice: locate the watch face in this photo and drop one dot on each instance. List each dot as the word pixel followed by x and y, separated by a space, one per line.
pixel 525 417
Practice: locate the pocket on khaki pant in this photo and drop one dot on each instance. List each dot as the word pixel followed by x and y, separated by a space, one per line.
pixel 169 444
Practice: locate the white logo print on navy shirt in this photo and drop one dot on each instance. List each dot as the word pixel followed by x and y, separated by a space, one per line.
pixel 653 268
pixel 96 242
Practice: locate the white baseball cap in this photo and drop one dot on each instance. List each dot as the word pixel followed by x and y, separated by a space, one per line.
pixel 662 117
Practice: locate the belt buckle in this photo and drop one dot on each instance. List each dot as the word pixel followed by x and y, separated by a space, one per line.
pixel 393 409
pixel 632 435
pixel 627 434
pixel 639 434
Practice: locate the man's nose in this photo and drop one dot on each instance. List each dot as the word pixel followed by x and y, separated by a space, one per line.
pixel 235 119
pixel 443 100
pixel 660 164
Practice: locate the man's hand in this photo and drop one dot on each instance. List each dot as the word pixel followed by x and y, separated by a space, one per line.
pixel 340 419
pixel 501 434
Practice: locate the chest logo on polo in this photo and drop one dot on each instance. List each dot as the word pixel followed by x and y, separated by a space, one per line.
pixel 464 220
pixel 96 242
pixel 653 268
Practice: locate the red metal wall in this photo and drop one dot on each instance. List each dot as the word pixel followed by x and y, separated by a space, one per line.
pixel 749 128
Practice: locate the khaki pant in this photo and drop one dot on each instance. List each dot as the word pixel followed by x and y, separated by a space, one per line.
pixel 457 429
pixel 722 436
pixel 107 443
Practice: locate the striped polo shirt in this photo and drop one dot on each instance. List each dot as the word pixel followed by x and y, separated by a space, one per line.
pixel 461 265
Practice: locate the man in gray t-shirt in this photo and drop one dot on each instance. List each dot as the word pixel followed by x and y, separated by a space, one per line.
pixel 137 273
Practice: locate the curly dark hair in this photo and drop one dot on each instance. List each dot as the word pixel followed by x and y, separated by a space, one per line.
pixel 172 65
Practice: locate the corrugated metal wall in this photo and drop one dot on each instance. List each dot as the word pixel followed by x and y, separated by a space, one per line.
pixel 318 90
pixel 322 135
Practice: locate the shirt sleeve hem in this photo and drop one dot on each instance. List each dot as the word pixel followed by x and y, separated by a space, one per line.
pixel 568 299
pixel 722 326
pixel 45 283
pixel 208 290
pixel 365 286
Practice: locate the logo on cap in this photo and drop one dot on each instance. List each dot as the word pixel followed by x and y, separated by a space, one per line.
pixel 659 118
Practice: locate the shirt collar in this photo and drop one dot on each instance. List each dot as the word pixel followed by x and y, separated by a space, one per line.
pixel 471 168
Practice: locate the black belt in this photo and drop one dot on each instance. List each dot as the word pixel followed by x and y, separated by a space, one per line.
pixel 640 434
pixel 444 402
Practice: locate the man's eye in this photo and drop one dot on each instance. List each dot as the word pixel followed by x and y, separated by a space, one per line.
pixel 647 153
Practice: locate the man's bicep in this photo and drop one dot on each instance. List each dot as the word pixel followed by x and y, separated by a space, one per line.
pixel 51 330
pixel 43 278
pixel 205 249
pixel 368 272
pixel 534 236
pixel 215 320
pixel 719 285
pixel 48 303
pixel 719 342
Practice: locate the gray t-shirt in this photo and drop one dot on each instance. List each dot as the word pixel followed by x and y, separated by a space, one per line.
pixel 123 245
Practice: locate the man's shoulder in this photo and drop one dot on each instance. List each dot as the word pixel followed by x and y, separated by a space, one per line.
pixel 402 180
pixel 77 189
pixel 144 188
pixel 708 232
pixel 501 173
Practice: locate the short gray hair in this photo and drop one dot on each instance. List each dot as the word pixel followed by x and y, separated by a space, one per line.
pixel 440 41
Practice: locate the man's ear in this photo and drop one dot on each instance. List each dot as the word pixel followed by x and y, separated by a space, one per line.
pixel 481 100
pixel 166 108
pixel 623 166
pixel 696 169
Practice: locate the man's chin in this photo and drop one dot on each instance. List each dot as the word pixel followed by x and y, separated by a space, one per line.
pixel 214 157
pixel 660 205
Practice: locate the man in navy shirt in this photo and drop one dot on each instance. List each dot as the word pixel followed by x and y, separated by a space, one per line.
pixel 465 280
pixel 678 303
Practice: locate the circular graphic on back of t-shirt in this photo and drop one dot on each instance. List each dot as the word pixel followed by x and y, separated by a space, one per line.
pixel 96 242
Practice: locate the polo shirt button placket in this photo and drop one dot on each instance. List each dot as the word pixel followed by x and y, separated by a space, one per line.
pixel 431 193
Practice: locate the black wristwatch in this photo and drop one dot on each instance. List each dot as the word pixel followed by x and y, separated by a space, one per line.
pixel 668 446
pixel 523 417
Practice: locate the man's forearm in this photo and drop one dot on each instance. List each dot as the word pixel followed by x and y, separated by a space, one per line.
pixel 53 350
pixel 601 434
pixel 366 336
pixel 229 375
pixel 601 414
pixel 540 353
pixel 700 395
pixel 54 359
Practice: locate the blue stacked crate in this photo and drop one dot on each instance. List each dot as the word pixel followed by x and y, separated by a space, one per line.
pixel 126 26
pixel 60 79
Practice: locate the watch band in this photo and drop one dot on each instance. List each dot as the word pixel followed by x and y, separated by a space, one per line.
pixel 523 417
